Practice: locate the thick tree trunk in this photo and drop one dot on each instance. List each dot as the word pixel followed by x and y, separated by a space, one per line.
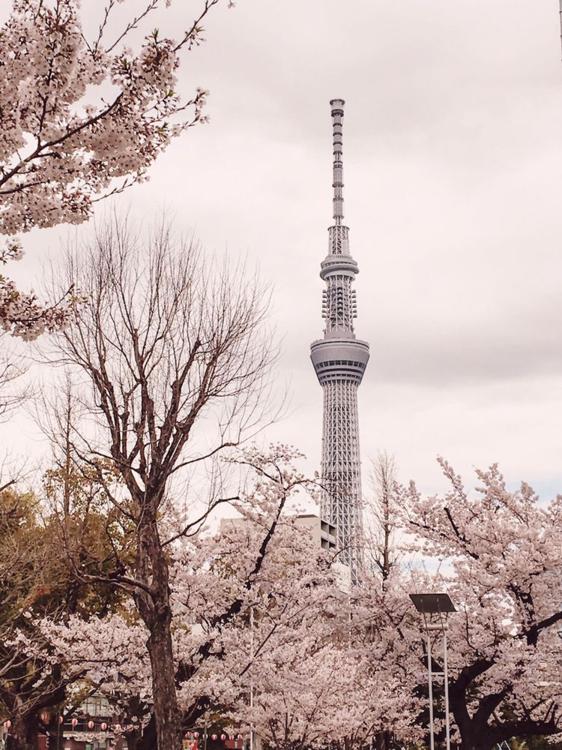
pixel 154 608
pixel 168 728
pixel 476 734
pixel 473 736
pixel 23 734
pixel 383 740
pixel 470 741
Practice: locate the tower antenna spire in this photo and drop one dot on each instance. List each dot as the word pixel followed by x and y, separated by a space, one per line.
pixel 337 106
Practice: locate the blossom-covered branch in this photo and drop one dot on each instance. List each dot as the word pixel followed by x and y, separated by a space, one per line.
pixel 77 116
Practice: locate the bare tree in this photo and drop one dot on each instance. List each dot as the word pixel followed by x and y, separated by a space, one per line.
pixel 14 391
pixel 381 544
pixel 10 371
pixel 175 359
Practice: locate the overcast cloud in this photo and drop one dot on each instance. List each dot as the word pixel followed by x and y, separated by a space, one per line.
pixel 453 166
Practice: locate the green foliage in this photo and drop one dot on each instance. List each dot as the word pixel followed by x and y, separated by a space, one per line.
pixel 48 546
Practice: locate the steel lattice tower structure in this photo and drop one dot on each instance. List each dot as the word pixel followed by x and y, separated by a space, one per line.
pixel 340 359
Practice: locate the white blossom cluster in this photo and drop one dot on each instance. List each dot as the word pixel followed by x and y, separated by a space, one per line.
pixel 66 142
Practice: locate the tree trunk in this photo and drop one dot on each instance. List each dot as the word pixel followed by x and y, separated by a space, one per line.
pixel 475 742
pixel 23 734
pixel 168 729
pixel 474 736
pixel 155 611
pixel 148 739
pixel 383 740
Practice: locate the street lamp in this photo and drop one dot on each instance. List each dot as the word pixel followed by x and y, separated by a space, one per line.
pixel 435 609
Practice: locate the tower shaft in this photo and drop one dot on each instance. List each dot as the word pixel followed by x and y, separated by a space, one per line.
pixel 341 463
pixel 340 359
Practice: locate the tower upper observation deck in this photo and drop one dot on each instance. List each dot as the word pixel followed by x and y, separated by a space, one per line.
pixel 339 353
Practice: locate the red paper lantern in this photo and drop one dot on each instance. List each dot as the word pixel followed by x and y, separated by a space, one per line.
pixel 239 737
pixel 7 724
pixel 223 737
pixel 103 726
pixel 91 724
pixel 45 717
pixel 61 719
pixel 196 734
pixel 74 722
pixel 213 737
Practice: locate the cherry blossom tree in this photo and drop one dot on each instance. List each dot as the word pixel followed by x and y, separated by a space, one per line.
pixel 101 655
pixel 500 559
pixel 314 689
pixel 35 585
pixel 81 119
pixel 262 635
pixel 238 589
pixel 289 616
pixel 262 565
pixel 300 671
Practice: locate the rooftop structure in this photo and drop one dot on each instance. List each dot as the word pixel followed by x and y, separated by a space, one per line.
pixel 322 532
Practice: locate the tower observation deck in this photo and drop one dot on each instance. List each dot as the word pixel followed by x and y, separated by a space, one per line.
pixel 340 359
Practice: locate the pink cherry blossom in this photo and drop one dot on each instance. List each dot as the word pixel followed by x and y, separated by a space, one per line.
pixel 65 142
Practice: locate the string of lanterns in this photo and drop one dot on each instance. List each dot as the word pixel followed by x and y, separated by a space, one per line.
pixel 214 737
pixel 104 727
pixel 73 722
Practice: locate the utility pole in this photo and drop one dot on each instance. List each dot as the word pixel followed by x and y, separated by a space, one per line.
pixel 252 679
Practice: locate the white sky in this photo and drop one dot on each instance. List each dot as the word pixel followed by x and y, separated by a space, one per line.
pixel 453 165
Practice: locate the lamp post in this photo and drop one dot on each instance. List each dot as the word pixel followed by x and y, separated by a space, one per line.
pixel 435 609
pixel 251 680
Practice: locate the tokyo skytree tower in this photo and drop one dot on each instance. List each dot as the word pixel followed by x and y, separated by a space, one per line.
pixel 340 359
